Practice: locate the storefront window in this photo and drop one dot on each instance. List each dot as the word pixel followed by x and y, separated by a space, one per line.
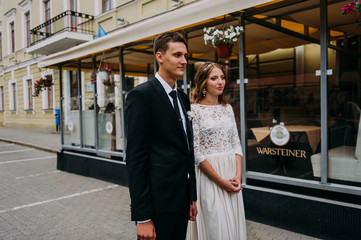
pixel 71 129
pixel 282 104
pixel 88 112
pixel 344 102
pixel 110 137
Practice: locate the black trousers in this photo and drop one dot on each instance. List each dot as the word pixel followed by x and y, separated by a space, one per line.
pixel 172 226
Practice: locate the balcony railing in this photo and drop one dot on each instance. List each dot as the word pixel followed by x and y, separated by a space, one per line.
pixel 66 21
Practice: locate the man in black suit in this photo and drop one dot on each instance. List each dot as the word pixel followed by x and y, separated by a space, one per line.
pixel 160 156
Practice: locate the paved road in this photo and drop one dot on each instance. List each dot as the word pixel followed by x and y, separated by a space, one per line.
pixel 39 202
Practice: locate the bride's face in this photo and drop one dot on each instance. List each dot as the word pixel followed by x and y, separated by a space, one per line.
pixel 215 82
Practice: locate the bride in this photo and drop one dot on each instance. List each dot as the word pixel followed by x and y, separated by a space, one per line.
pixel 218 156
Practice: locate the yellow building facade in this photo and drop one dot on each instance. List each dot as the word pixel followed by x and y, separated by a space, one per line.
pixel 32 29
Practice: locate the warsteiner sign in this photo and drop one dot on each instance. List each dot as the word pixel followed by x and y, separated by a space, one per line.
pixel 282 152
pixel 280 136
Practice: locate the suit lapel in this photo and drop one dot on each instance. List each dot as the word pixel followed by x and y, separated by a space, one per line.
pixel 169 107
pixel 189 125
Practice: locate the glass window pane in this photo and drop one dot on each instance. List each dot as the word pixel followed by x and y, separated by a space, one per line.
pixel 282 103
pixel 344 102
pixel 71 110
pixel 110 136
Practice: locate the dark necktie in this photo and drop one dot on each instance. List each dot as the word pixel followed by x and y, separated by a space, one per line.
pixel 173 94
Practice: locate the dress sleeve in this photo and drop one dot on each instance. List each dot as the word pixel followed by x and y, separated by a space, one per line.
pixel 198 156
pixel 236 144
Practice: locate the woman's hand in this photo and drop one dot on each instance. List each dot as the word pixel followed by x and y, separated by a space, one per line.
pixel 236 182
pixel 227 185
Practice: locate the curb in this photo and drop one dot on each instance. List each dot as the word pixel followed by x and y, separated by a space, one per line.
pixel 30 145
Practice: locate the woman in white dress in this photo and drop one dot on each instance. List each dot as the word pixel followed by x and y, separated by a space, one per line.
pixel 218 156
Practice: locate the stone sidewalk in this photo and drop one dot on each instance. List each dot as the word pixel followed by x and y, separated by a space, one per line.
pixel 60 205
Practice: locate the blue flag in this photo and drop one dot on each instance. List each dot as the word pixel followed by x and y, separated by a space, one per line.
pixel 101 32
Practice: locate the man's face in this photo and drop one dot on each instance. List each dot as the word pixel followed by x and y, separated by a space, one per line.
pixel 173 61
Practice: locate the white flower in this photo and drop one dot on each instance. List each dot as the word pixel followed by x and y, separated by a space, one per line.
pixel 190 115
pixel 222 36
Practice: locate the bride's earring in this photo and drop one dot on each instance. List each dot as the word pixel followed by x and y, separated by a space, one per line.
pixel 204 91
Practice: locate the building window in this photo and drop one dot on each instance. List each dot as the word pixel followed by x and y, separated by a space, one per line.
pixel 12 37
pixel 1 47
pixel 1 98
pixel 74 19
pixel 27 29
pixel 47 16
pixel 29 97
pixel 74 90
pixel 12 96
pixel 49 91
pixel 106 5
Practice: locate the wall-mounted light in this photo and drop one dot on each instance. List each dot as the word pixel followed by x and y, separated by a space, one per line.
pixel 177 3
pixel 2 68
pixel 14 61
pixel 121 21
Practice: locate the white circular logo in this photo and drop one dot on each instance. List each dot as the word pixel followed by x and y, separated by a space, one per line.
pixel 109 127
pixel 70 126
pixel 280 135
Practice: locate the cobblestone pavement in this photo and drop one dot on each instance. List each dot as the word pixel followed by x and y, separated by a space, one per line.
pixel 39 202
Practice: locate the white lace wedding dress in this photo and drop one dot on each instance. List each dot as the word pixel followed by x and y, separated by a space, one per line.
pixel 220 214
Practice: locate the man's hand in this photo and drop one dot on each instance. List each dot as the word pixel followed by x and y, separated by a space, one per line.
pixel 193 212
pixel 146 231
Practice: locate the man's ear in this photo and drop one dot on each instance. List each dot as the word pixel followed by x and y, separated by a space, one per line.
pixel 159 57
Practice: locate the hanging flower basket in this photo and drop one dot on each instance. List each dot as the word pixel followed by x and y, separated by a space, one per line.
pixel 48 81
pixel 103 72
pixel 41 84
pixel 103 75
pixel 224 50
pixel 222 39
pixel 353 7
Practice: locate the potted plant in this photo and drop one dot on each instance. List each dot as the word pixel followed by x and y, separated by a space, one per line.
pixel 223 39
pixel 48 80
pixel 353 7
pixel 42 84
pixel 103 73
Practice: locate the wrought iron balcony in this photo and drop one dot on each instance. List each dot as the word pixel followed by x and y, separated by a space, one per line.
pixel 61 32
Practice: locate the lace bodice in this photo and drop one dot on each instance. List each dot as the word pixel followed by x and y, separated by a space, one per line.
pixel 215 130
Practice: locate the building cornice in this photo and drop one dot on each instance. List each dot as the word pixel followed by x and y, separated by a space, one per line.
pixel 24 3
pixel 10 12
pixel 22 64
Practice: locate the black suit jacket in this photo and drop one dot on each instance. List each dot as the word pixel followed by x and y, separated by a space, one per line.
pixel 158 156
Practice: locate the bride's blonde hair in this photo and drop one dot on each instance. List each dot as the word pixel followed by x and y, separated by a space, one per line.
pixel 200 82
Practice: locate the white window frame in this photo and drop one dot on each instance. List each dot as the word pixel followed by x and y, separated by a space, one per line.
pixel 25 91
pixel 42 10
pixel 2 41
pixel 2 94
pixel 45 93
pixel 66 4
pixel 25 8
pixel 11 96
pixel 11 19
pixel 99 8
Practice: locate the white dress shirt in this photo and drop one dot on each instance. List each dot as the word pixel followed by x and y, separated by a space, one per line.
pixel 168 89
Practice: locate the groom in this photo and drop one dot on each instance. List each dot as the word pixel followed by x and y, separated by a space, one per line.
pixel 160 155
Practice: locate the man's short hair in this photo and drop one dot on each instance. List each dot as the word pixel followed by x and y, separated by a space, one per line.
pixel 161 41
